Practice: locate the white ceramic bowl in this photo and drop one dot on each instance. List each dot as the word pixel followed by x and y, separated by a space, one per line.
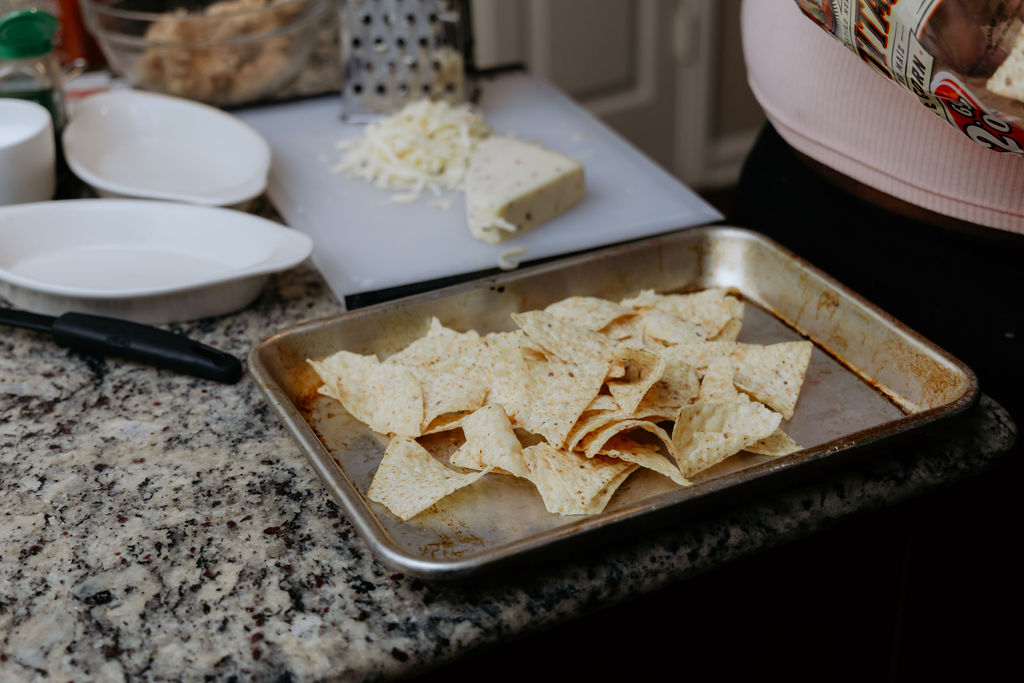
pixel 27 152
pixel 128 143
pixel 142 260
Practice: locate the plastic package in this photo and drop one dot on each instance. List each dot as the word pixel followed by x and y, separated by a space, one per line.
pixel 962 59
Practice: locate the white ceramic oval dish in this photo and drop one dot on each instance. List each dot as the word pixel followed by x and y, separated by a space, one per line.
pixel 141 260
pixel 129 143
pixel 27 154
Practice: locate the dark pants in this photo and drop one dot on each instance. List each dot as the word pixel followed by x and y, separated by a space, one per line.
pixel 962 290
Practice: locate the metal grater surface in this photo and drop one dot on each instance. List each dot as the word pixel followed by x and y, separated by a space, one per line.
pixel 397 51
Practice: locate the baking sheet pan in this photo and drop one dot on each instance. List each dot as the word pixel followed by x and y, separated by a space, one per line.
pixel 870 378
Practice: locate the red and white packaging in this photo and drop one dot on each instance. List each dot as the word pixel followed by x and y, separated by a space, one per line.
pixel 962 59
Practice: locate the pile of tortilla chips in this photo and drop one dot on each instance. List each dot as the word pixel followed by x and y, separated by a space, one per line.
pixel 598 389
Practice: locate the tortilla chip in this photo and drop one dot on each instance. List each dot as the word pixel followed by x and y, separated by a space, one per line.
pixel 490 443
pixel 627 330
pixel 387 398
pixel 708 310
pixel 444 423
pixel 447 365
pixel 707 433
pixel 641 369
pixel 697 354
pixel 645 298
pixel 507 372
pixel 439 341
pixel 777 443
pixel 660 399
pixel 409 479
pixel 731 329
pixel 588 312
pixel 773 374
pixel 559 392
pixel 605 402
pixel 530 349
pixel 571 484
pixel 716 386
pixel 561 384
pixel 648 456
pixel 676 387
pixel 588 421
pixel 561 339
pixel 593 442
pixel 664 329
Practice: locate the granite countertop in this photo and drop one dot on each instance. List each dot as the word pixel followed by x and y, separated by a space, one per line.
pixel 159 527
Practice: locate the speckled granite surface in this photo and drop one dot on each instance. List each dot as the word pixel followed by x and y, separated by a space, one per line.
pixel 158 527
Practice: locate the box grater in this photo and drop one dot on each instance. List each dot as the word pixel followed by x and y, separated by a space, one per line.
pixel 397 51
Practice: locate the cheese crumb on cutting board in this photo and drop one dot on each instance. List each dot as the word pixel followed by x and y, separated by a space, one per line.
pixel 513 186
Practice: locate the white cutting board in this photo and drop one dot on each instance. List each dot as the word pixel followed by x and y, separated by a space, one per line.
pixel 362 244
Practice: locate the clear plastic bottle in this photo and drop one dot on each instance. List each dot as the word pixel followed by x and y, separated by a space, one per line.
pixel 29 67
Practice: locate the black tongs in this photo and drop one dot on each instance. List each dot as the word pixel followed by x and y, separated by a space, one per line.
pixel 143 343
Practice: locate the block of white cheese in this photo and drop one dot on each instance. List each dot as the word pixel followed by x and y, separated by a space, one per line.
pixel 513 186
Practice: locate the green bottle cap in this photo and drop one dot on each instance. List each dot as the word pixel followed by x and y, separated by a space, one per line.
pixel 26 33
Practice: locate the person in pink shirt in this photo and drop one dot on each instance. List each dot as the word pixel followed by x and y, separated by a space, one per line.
pixel 853 174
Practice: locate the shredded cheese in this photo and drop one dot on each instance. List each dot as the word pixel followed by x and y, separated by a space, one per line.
pixel 424 146
pixel 509 259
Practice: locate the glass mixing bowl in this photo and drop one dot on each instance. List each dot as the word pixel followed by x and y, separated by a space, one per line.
pixel 224 53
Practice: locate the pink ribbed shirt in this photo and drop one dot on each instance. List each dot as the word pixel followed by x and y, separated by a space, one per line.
pixel 835 109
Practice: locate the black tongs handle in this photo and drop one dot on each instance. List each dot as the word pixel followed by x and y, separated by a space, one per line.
pixel 145 344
